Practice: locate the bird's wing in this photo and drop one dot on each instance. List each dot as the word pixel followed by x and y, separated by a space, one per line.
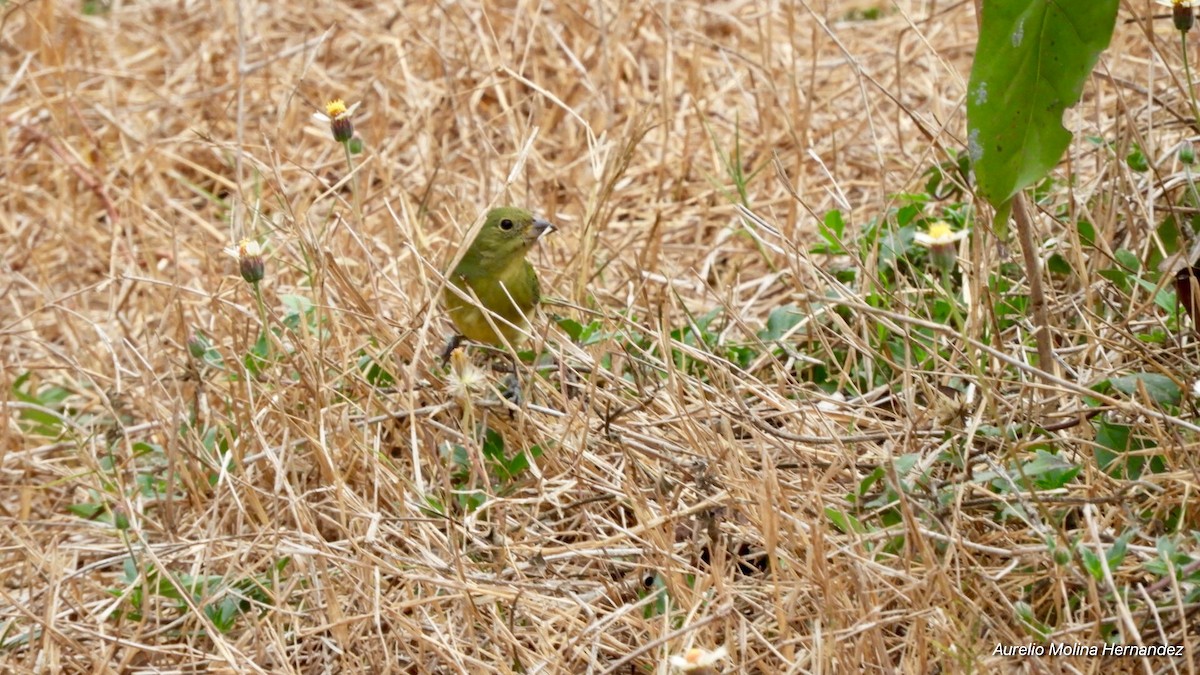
pixel 537 286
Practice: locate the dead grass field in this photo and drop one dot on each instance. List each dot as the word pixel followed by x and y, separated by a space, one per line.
pixel 332 499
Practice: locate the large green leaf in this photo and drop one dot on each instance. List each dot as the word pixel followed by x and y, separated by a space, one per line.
pixel 1161 388
pixel 1030 64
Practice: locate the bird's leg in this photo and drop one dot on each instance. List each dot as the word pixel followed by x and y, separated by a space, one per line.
pixel 511 389
pixel 453 344
pixel 572 384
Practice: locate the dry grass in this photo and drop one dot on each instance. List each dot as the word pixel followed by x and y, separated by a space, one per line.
pixel 676 501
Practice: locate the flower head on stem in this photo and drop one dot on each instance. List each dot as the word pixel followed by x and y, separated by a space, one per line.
pixel 339 118
pixel 699 661
pixel 249 254
pixel 942 242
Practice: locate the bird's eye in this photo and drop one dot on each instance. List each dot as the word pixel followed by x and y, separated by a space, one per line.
pixel 506 224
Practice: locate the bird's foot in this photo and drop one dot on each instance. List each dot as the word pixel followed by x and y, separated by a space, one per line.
pixel 453 344
pixel 511 389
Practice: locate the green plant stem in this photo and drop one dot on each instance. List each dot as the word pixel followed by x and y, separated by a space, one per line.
pixel 1187 72
pixel 1191 183
pixel 1037 296
pixel 262 315
pixel 951 297
pixel 358 212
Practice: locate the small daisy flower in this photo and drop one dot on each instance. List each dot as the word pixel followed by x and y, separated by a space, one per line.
pixel 337 116
pixel 942 242
pixel 249 254
pixel 699 661
pixel 939 233
pixel 465 379
pixel 1181 12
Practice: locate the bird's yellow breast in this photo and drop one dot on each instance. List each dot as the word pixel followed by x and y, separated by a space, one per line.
pixel 511 294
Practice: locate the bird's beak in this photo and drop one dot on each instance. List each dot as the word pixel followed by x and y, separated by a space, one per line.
pixel 541 228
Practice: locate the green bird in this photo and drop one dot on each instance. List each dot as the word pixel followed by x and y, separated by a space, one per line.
pixel 495 271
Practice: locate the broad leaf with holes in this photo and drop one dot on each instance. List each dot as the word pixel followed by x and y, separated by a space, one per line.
pixel 1030 64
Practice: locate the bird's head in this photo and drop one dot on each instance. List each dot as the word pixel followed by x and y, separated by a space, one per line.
pixel 508 231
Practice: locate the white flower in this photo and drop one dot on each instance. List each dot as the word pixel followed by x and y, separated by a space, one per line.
pixel 696 659
pixel 337 109
pixel 246 248
pixel 249 254
pixel 940 233
pixel 1181 3
pixel 942 242
pixel 465 378
pixel 338 117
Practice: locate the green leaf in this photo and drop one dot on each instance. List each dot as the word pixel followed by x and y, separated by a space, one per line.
pixel 1116 554
pixel 1116 442
pixel 864 487
pixel 223 613
pixel 1118 278
pixel 256 359
pixel 1091 562
pixel 581 334
pixel 895 245
pixel 1032 624
pixel 1170 558
pixel 87 510
pixel 471 501
pixel 374 372
pixel 1058 265
pixel 1161 388
pixel 781 320
pixel 296 304
pixel 50 397
pixel 572 328
pixel 905 464
pixel 831 229
pixel 1136 160
pixel 1049 471
pixel 844 522
pixel 1030 64
pixel 434 507
pixel 1087 232
pixel 92 8
pixel 493 446
pixel 1113 556
pixel 1164 297
pixel 1128 259
pixel 1172 240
